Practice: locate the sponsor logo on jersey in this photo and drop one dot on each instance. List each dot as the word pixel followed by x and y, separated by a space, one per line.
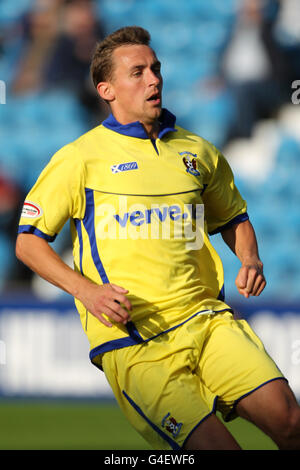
pixel 171 425
pixel 124 167
pixel 189 159
pixel 139 217
pixel 31 210
pixel 160 221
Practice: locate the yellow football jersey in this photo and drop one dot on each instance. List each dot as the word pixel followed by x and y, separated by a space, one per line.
pixel 141 214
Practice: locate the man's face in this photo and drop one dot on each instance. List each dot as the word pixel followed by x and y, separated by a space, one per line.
pixel 136 85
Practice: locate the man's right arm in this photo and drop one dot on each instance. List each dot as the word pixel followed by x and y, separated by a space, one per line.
pixel 107 299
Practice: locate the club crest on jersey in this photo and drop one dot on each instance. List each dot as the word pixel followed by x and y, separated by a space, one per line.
pixel 124 167
pixel 189 159
pixel 171 425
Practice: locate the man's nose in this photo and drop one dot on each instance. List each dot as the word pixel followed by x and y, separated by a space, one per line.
pixel 153 78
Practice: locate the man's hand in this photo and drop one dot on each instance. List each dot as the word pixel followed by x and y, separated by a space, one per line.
pixel 250 280
pixel 107 300
pixel 241 239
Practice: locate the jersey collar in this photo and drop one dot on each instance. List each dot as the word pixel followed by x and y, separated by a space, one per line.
pixel 135 129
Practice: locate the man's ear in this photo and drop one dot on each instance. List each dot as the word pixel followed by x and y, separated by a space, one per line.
pixel 105 90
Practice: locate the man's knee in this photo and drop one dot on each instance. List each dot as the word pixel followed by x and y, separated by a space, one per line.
pixel 286 427
pixel 274 409
pixel 288 432
pixel 211 434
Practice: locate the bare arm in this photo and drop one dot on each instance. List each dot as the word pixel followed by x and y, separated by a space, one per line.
pixel 241 239
pixel 106 299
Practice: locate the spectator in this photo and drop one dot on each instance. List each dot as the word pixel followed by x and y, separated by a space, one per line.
pixel 68 64
pixel 254 64
pixel 40 27
pixel 59 37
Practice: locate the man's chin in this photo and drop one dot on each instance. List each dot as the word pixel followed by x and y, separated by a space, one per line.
pixel 157 112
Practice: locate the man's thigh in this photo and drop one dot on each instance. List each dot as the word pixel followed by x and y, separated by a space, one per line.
pixel 234 363
pixel 157 389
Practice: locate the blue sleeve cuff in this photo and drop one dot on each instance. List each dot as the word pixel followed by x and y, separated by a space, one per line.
pixel 236 220
pixel 35 231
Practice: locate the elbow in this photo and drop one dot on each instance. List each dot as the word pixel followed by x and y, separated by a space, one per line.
pixel 27 247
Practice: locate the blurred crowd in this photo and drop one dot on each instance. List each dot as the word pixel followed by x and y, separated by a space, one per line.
pixel 50 45
pixel 54 40
pixel 237 59
pixel 58 37
pixel 261 61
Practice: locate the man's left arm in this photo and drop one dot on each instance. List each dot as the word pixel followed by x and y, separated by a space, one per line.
pixel 241 239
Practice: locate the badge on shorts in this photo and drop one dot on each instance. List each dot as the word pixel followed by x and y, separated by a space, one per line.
pixel 171 425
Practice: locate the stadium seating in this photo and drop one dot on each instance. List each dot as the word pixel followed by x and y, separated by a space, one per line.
pixel 189 38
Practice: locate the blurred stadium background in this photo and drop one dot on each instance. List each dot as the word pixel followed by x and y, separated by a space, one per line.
pixel 230 73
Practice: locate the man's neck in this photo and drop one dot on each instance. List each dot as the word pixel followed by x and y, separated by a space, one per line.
pixel 152 129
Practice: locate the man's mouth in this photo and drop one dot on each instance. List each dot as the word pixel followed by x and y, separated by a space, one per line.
pixel 155 98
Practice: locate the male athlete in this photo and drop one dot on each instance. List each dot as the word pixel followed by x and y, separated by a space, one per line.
pixel 147 286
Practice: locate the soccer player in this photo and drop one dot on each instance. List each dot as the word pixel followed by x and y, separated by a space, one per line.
pixel 143 195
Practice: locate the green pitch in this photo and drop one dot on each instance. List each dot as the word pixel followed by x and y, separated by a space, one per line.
pixel 79 425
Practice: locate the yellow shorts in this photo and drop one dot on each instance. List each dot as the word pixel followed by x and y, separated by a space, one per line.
pixel 166 387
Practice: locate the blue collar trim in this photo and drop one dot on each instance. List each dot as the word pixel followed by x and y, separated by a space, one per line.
pixel 136 129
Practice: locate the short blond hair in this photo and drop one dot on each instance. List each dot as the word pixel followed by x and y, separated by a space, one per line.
pixel 102 64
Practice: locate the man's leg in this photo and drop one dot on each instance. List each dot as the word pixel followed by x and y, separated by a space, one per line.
pixel 273 408
pixel 211 434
